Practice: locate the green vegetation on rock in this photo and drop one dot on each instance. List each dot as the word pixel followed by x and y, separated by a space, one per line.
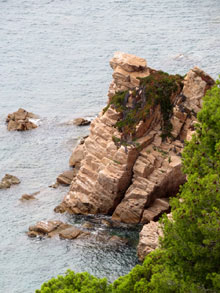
pixel 189 258
pixel 159 88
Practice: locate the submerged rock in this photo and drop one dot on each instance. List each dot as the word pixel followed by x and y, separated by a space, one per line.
pixel 20 120
pixel 54 185
pixel 88 225
pixel 27 197
pixel 118 240
pixel 8 180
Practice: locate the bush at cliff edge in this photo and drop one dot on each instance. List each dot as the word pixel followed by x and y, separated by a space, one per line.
pixel 189 257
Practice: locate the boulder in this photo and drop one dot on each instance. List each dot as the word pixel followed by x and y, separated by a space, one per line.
pixel 8 180
pixel 128 62
pixel 54 228
pixel 81 122
pixel 66 177
pixel 149 239
pixel 45 227
pixel 20 120
pixel 27 197
pixel 72 233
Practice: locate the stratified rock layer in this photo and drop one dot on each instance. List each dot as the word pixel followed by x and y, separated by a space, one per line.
pixel 133 184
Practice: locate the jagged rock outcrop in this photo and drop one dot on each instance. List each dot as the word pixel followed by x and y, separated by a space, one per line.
pixel 132 180
pixel 20 120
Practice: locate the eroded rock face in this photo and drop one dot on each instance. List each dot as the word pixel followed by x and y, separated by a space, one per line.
pixel 20 120
pixel 8 180
pixel 133 183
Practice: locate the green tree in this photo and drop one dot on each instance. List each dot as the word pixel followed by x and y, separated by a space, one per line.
pixel 74 283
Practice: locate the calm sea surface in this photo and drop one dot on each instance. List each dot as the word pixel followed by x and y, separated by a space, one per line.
pixel 54 62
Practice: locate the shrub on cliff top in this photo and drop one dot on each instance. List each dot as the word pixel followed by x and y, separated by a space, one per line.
pixel 156 89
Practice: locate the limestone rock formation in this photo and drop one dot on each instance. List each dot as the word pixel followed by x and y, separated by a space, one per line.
pixel 132 179
pixel 8 180
pixel 20 120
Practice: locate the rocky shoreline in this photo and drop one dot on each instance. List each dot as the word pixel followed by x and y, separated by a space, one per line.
pixel 133 182
pixel 130 163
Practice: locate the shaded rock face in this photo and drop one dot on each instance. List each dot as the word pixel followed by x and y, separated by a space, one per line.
pixel 8 180
pixel 132 183
pixel 20 120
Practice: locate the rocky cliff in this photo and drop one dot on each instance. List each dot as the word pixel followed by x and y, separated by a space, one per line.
pixel 130 164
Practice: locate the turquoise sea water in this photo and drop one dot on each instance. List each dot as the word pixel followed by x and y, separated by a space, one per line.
pixel 54 62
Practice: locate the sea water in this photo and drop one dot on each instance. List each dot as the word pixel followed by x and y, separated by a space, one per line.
pixel 54 62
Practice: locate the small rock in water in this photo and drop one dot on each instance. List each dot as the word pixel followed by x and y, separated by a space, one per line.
pixel 118 240
pixel 88 225
pixel 8 180
pixel 53 228
pixel 55 185
pixel 27 197
pixel 66 177
pixel 20 120
pixel 81 122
